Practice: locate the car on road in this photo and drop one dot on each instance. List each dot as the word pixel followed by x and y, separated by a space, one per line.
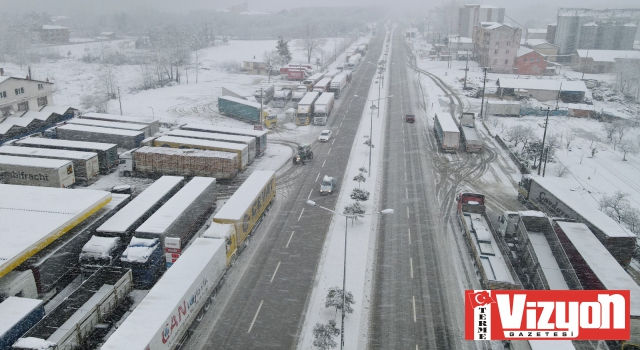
pixel 123 189
pixel 410 118
pixel 325 136
pixel 328 185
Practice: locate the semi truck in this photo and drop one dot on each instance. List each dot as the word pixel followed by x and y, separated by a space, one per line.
pixel 447 132
pixel 180 298
pixel 490 254
pixel 89 310
pixel 243 212
pixel 154 125
pixel 265 93
pixel 281 98
pixel 260 136
pixel 177 221
pixel 249 141
pixel 246 111
pixel 36 171
pixel 322 85
pixel 107 152
pixel 297 97
pixel 145 258
pixel 242 151
pixel 469 133
pixel 338 84
pixel 306 108
pixel 551 195
pixel 85 164
pixel 18 316
pixel 323 108
pixel 354 61
pixel 123 138
pixel 114 125
pixel 154 162
pixel 312 80
pixel 51 269
pixel 332 73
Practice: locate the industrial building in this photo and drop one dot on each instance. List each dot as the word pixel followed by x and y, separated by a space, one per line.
pixel 601 61
pixel 543 89
pixel 471 15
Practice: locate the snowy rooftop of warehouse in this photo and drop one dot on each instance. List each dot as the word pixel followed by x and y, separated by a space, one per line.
pixel 44 152
pixel 106 124
pixel 493 262
pixel 100 130
pixel 100 246
pixel 148 319
pixel 547 261
pixel 523 51
pixel 32 217
pixel 13 310
pixel 204 143
pixel 608 55
pixel 176 206
pixel 583 204
pixel 33 162
pixel 256 133
pixel 541 84
pixel 446 122
pixel 126 216
pixel 536 42
pixel 210 135
pixel 115 117
pixel 244 196
pixel 66 143
pixel 601 262
pixel 139 249
pixel 23 120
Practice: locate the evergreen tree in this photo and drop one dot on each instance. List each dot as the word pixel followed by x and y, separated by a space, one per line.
pixel 283 50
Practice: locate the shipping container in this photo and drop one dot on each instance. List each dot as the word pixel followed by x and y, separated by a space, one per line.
pixel 113 125
pixel 36 171
pixel 18 315
pixel 447 132
pixel 243 110
pixel 123 138
pixel 306 108
pixel 259 135
pixel 249 141
pixel 322 85
pixel 85 164
pixel 154 125
pixel 107 152
pixel 469 133
pixel 338 84
pixel 242 151
pixel 323 108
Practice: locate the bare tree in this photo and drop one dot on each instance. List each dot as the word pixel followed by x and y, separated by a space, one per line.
pixel 561 170
pixel 310 42
pixel 631 217
pixel 520 134
pixel 610 130
pixel 627 146
pixel 568 138
pixel 615 205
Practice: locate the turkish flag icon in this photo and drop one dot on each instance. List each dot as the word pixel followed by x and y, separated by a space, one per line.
pixel 480 298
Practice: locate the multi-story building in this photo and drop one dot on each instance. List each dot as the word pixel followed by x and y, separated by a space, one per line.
pixel 496 45
pixel 54 34
pixel 18 95
pixel 471 15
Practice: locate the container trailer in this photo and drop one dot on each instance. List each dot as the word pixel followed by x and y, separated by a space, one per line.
pixel 322 85
pixel 154 125
pixel 446 132
pixel 338 84
pixel 113 125
pixel 85 164
pixel 259 135
pixel 36 171
pixel 123 138
pixel 265 93
pixel 323 108
pixel 213 136
pixel 18 316
pixel 306 108
pixel 469 133
pixel 246 111
pixel 242 151
pixel 281 98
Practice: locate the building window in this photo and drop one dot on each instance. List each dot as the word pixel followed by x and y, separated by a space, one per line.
pixel 40 86
pixel 19 91
pixel 497 43
pixel 506 61
pixel 524 59
pixel 42 101
pixel 508 43
pixel 23 106
pixel 495 51
pixel 3 94
pixel 507 50
pixel 6 111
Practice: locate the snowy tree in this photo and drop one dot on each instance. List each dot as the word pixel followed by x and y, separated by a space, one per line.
pixel 360 195
pixel 310 41
pixel 323 335
pixel 273 61
pixel 362 170
pixel 359 178
pixel 354 211
pixel 520 134
pixel 368 142
pixel 610 130
pixel 568 138
pixel 627 146
pixel 283 51
pixel 95 102
pixel 615 205
pixel 631 217
pixel 334 299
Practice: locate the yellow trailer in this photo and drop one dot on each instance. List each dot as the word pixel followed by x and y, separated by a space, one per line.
pixel 184 142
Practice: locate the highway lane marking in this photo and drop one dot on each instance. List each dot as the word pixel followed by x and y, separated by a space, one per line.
pixel 329 151
pixel 299 217
pixel 409 234
pixel 334 141
pixel 289 241
pixel 256 316
pixel 405 162
pixel 338 131
pixel 410 265
pixel 277 267
pixel 317 177
pixel 340 126
pixel 323 163
pixel 407 213
pixel 414 309
pixel 405 176
pixel 310 192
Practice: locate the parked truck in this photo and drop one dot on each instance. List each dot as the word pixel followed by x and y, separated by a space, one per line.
pixel 145 258
pixel 242 151
pixel 36 171
pixel 246 111
pixel 265 93
pixel 469 133
pixel 281 98
pixel 489 251
pixel 123 138
pixel 446 132
pixel 312 80
pixel 550 195
pixel 85 164
pixel 260 136
pixel 243 212
pixel 180 298
pixel 338 84
pixel 113 125
pixel 306 108
pixel 332 73
pixel 322 85
pixel 354 61
pixel 157 161
pixel 100 300
pixel 107 152
pixel 249 141
pixel 18 316
pixel 323 108
pixel 154 125
pixel 297 97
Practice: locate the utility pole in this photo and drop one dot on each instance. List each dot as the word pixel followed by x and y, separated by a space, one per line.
pixel 261 107
pixel 544 138
pixel 558 97
pixel 484 85
pixel 585 59
pixel 466 69
pixel 546 158
pixel 120 100
pixel 371 136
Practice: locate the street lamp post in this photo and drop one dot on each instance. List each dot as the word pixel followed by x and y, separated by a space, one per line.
pixel 484 85
pixel 344 271
pixel 371 126
pixel 153 113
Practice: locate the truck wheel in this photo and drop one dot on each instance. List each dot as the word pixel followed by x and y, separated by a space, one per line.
pixel 200 316
pixel 127 174
pixel 207 304
pixel 310 155
pixel 232 260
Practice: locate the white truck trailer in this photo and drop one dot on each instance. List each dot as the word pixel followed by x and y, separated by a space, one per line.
pixel 338 84
pixel 114 125
pixel 180 297
pixel 154 125
pixel 280 98
pixel 85 164
pixel 469 133
pixel 123 138
pixel 447 132
pixel 323 108
pixel 36 171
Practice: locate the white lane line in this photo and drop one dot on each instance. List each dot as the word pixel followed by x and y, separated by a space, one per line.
pixel 338 130
pixel 277 267
pixel 317 177
pixel 407 213
pixel 299 217
pixel 340 126
pixel 410 265
pixel 334 141
pixel 323 163
pixel 329 151
pixel 310 192
pixel 405 162
pixel 414 309
pixel 256 316
pixel 407 191
pixel 405 176
pixel 289 241
pixel 408 233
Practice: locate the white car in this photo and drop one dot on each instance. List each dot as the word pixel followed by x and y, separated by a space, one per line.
pixel 325 136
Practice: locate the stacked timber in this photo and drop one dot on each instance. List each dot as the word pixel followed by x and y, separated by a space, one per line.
pixel 194 162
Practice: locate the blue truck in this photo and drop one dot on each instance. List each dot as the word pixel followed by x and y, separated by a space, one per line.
pixel 19 315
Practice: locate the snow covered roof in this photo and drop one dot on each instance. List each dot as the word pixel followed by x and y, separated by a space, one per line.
pixel 49 27
pixel 608 55
pixel 504 102
pixel 537 31
pixel 100 246
pixel 117 118
pixel 188 151
pixel 13 310
pixel 123 220
pixel 100 130
pixel 523 51
pixel 211 136
pixel 34 343
pixel 242 101
pixel 446 122
pixel 46 152
pixel 537 42
pixel 139 249
pixel 219 231
pixel 244 196
pixel 542 84
pixel 494 25
pixel 23 121
pixel 61 110
pixel 548 263
pixel 204 143
pixel 601 262
pixel 225 129
pixel 32 217
pixel 37 141
pixel 34 162
pixel 106 124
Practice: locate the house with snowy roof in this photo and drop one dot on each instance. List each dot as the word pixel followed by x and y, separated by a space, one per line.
pixel 601 61
pixel 529 62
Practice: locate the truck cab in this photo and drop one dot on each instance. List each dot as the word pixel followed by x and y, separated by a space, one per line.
pixel 508 223
pixel 226 232
pixel 328 185
pixel 18 284
pixel 145 259
pixel 98 252
pixel 125 164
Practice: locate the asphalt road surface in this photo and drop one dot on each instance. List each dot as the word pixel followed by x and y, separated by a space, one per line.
pixel 266 309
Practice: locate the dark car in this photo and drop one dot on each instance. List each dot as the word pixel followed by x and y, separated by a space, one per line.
pixel 123 189
pixel 409 118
